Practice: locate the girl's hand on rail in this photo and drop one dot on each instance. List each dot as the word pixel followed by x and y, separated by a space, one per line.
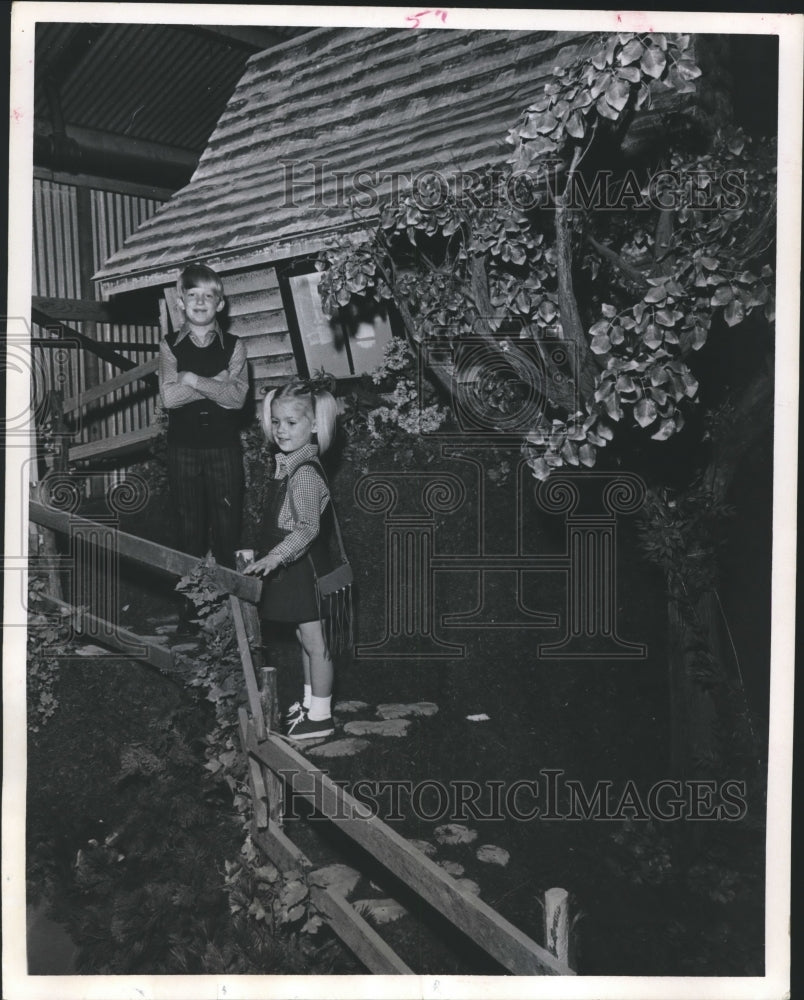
pixel 264 566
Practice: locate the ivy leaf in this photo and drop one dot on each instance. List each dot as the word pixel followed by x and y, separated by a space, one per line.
pixel 644 94
pixel 605 109
pixel 629 73
pixel 631 52
pixel 600 345
pixel 575 126
pixel 547 310
pixel 723 296
pixel 667 429
pixel 518 255
pixel 568 453
pixel 652 337
pixel 645 412
pixel 541 470
pixel 617 94
pixel 656 294
pixel 734 312
pixel 532 127
pixel 690 384
pixel 586 453
pixel 687 69
pixel 539 145
pixel 679 85
pixel 653 62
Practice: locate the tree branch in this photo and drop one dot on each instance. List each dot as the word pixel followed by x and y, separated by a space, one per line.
pixel 753 243
pixel 633 274
pixel 583 364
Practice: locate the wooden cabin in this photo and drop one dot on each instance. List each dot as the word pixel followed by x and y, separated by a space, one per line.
pixel 313 138
pixel 316 134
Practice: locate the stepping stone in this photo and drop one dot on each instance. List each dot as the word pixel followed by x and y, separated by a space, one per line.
pixel 482 717
pixel 351 706
pixel 184 647
pixel 388 727
pixel 380 911
pixel 339 877
pixel 397 711
pixel 468 885
pixel 339 748
pixel 454 833
pixel 453 868
pixel 91 650
pixel 424 846
pixel 166 629
pixel 492 855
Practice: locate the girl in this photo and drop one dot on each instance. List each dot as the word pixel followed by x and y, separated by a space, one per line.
pixel 300 422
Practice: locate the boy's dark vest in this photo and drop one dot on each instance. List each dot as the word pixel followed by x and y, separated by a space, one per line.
pixel 202 423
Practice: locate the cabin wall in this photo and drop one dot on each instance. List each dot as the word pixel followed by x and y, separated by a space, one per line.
pixel 256 314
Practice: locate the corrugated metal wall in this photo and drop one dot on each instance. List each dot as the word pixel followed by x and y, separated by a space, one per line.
pixel 57 271
pixel 114 218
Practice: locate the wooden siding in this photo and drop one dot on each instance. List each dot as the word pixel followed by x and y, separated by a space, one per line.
pixel 256 315
pixel 391 102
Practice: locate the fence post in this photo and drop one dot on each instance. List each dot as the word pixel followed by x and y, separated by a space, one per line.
pixel 556 923
pixel 270 707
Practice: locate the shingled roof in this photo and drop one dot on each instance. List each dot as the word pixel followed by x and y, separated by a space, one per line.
pixel 334 102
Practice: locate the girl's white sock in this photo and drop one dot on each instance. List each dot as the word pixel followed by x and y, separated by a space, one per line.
pixel 308 694
pixel 319 708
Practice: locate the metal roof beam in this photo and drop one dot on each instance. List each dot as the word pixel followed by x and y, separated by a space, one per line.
pixel 90 151
pixel 251 37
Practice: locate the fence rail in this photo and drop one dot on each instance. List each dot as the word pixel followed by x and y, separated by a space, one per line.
pixel 272 763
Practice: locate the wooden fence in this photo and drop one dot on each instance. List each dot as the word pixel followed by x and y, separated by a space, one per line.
pixel 274 764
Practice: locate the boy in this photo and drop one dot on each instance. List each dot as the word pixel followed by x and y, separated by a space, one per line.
pixel 203 382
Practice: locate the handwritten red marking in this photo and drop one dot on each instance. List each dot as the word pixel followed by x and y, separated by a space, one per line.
pixel 417 18
pixel 17 114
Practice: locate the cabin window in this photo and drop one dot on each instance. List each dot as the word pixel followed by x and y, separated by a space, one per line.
pixel 351 343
